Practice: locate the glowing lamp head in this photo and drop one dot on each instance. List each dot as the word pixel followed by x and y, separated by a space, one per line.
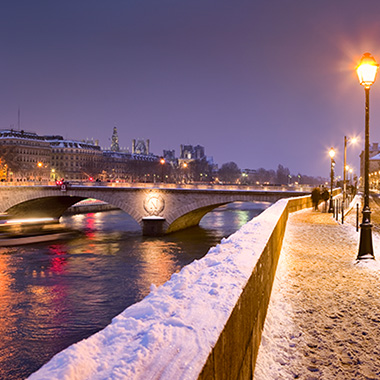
pixel 40 164
pixel 332 153
pixel 367 70
pixel 162 161
pixel 185 164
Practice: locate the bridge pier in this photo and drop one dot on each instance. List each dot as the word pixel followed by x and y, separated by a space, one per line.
pixel 153 226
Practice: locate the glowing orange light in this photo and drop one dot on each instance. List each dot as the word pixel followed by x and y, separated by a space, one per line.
pixel 367 70
pixel 40 164
pixel 332 153
pixel 162 161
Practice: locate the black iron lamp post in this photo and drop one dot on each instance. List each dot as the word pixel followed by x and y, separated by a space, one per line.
pixel 366 71
pixel 345 167
pixel 332 155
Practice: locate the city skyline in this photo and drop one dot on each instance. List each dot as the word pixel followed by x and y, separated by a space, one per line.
pixel 256 83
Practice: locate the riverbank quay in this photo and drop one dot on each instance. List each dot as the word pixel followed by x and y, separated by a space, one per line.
pixel 204 323
pixel 323 318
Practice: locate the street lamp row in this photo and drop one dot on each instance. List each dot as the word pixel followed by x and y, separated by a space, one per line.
pixel 366 71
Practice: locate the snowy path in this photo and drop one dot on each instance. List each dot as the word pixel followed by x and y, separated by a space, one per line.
pixel 323 320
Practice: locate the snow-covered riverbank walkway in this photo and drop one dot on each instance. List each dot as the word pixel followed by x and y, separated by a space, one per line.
pixel 323 319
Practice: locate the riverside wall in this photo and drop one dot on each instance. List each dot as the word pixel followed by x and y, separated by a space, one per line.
pixel 234 355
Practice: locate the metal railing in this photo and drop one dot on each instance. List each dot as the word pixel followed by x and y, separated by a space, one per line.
pixel 341 207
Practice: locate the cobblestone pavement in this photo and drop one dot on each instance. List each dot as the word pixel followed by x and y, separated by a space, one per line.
pixel 323 320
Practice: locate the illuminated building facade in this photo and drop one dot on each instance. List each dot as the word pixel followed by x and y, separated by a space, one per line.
pixel 25 156
pixel 74 160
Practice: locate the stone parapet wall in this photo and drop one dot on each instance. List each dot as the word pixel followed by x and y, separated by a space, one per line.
pixel 234 354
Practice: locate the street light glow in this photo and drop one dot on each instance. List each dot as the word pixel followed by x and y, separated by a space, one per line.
pixel 367 70
pixel 332 153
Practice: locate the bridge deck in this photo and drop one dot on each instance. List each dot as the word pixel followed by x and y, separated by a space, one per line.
pixel 324 316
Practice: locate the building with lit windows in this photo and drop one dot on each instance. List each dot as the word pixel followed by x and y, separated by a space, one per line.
pixel 374 161
pixel 75 160
pixel 25 156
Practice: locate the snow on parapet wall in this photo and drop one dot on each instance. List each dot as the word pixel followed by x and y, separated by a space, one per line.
pixel 171 332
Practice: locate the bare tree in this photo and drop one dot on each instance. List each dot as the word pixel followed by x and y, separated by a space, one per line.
pixel 229 172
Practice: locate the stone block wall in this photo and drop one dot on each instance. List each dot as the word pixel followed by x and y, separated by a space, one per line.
pixel 234 354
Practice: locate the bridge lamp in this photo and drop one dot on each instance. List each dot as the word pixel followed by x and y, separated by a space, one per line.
pixel 332 155
pixel 366 71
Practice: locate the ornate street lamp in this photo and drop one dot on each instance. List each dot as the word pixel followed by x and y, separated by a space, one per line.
pixel 366 70
pixel 332 155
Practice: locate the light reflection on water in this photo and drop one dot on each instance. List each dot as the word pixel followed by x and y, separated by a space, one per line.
pixel 54 294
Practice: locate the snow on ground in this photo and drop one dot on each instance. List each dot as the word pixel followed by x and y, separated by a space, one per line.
pixel 323 319
pixel 170 333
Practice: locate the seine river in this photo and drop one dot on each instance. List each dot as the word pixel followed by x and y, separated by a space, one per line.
pixel 55 294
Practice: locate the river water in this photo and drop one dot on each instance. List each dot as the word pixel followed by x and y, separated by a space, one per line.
pixel 55 294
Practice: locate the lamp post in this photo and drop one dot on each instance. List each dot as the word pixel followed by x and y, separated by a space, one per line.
pixel 331 154
pixel 184 166
pixel 345 168
pixel 366 71
pixel 162 162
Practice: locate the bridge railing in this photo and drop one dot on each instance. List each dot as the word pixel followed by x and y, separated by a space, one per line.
pixel 205 186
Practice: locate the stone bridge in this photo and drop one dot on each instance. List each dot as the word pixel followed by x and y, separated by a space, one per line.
pixel 158 210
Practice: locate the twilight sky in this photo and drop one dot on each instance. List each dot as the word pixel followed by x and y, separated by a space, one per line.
pixel 258 82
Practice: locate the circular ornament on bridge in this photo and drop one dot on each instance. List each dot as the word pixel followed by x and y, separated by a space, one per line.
pixel 154 204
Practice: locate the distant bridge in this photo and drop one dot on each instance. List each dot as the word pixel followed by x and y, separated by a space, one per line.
pixel 158 209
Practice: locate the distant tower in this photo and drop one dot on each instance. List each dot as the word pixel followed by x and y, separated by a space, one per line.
pixel 115 141
pixel 140 146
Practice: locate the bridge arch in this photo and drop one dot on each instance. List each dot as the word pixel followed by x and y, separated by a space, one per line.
pixel 53 206
pixel 190 215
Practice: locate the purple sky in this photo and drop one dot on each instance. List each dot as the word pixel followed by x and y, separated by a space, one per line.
pixel 260 83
